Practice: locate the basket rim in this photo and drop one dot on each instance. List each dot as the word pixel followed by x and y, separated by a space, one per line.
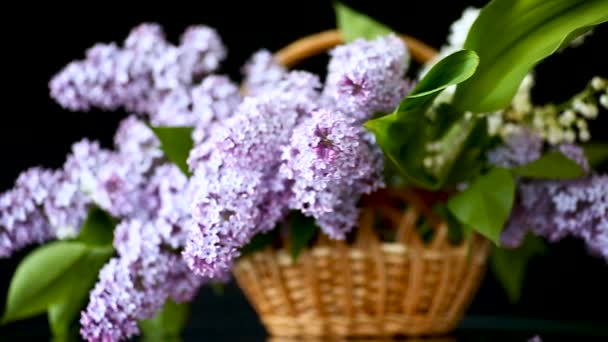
pixel 316 43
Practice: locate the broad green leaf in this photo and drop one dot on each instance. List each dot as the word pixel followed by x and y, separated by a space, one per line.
pixel 451 70
pixel 97 229
pixel 353 24
pixel 404 134
pixel 552 165
pixel 168 323
pixel 63 315
pixel 38 280
pixel 259 242
pixel 176 143
pixel 303 229
pixel 486 204
pixel 596 153
pixel 511 37
pixel 509 265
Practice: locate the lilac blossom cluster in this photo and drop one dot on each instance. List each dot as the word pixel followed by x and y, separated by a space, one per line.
pixel 554 209
pixel 292 146
pixel 135 285
pixel 170 85
pixel 366 77
pixel 147 75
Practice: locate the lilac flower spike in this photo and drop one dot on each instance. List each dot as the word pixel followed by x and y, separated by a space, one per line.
pixel 520 148
pixel 366 77
pixel 238 191
pixel 147 75
pixel 331 162
pixel 555 209
pixel 22 220
pixel 262 71
pixel 135 285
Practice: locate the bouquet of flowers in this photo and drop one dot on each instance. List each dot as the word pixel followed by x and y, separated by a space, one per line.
pixel 206 170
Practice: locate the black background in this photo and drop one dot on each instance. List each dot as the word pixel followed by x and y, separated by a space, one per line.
pixel 565 284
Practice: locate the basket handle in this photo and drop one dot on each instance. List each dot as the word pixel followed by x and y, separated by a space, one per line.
pixel 317 43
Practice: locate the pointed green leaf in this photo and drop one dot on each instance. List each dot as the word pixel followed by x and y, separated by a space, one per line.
pixel 509 265
pixel 176 143
pixel 451 70
pixel 98 228
pixel 37 282
pixel 511 37
pixel 303 229
pixel 486 204
pixel 353 24
pixel 64 314
pixel 404 134
pixel 552 165
pixel 168 323
pixel 596 153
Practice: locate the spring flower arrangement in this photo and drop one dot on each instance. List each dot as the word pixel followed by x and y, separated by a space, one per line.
pixel 206 170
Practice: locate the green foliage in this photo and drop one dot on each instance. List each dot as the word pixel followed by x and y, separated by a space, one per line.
pixel 353 24
pixel 404 134
pixel 552 165
pixel 596 153
pixel 509 265
pixel 168 324
pixel 38 280
pixel 97 229
pixel 176 143
pixel 511 37
pixel 303 230
pixel 78 282
pixel 486 204
pixel 58 276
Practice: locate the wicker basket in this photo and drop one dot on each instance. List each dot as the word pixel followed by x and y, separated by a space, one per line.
pixel 372 286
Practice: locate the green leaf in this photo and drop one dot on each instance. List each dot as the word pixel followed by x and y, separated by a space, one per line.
pixel 552 165
pixel 38 281
pixel 509 265
pixel 511 37
pixel 168 323
pixel 97 229
pixel 259 242
pixel 303 229
pixel 451 70
pixel 404 134
pixel 353 24
pixel 596 153
pixel 63 315
pixel 486 204
pixel 176 143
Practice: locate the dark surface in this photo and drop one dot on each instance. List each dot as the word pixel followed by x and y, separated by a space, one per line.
pixel 565 285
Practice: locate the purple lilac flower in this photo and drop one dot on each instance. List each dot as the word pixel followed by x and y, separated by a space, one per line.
pixel 559 208
pixel 135 141
pixel 261 72
pixel 576 154
pixel 366 77
pixel 22 220
pixel 135 285
pixel 147 75
pixel 331 162
pixel 213 101
pixel 519 148
pixel 111 180
pixel 238 193
pixel 167 199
